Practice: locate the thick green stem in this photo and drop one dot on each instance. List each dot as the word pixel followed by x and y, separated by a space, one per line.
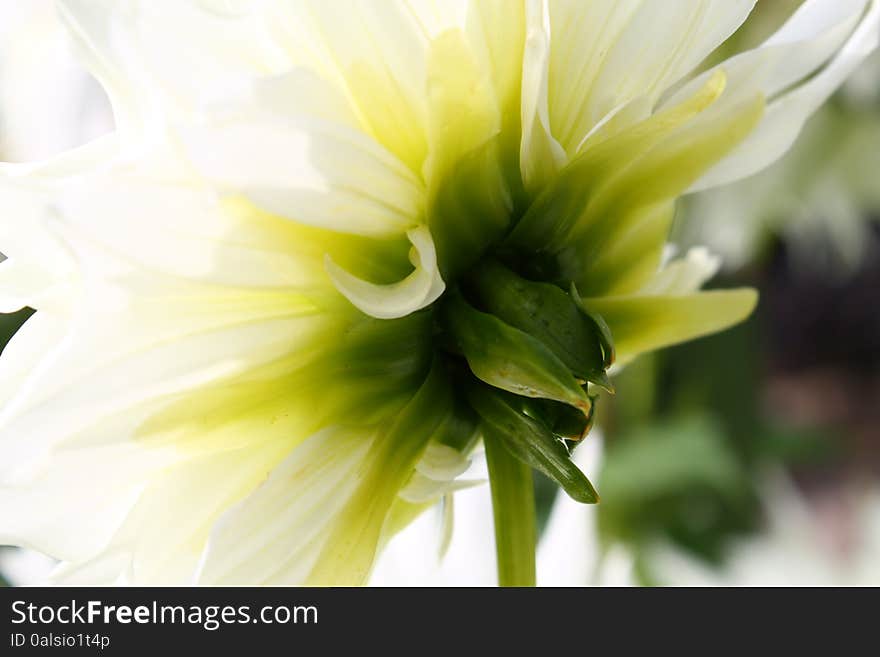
pixel 513 505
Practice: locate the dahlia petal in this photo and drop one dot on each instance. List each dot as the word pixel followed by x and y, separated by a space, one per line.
pixel 469 200
pixel 375 53
pixel 60 511
pixel 23 284
pixel 424 490
pixel 198 491
pixel 781 68
pixel 99 31
pixel 631 261
pixel 159 336
pixel 685 275
pixel 553 213
pixel 221 242
pixel 436 475
pixel 357 533
pixel 315 172
pixel 541 156
pixel 418 290
pixel 219 47
pixel 106 570
pixel 436 17
pixel 302 92
pixel 645 323
pixel 33 342
pixel 606 53
pixel 285 520
pixel 497 28
pixel 90 156
pixel 441 462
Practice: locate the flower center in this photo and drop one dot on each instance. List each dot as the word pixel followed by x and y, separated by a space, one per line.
pixel 526 354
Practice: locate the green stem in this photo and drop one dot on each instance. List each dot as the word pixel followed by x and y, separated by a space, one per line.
pixel 513 505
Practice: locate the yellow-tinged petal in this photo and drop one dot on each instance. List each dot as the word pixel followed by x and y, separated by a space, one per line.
pixel 276 534
pixel 624 266
pixel 351 547
pixel 605 159
pixel 469 201
pixel 645 323
pixel 312 171
pixel 375 53
pixel 605 53
pixel 788 70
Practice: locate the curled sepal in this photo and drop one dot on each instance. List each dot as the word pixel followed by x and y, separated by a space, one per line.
pixel 530 440
pixel 546 313
pixel 510 359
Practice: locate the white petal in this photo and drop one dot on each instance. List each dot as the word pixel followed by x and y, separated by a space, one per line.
pixel 217 47
pixel 437 16
pixel 33 342
pixel 218 243
pixel 605 53
pixel 101 34
pixel 71 508
pixel 436 475
pixel 375 52
pixel 23 284
pixel 418 290
pixel 93 155
pixel 424 490
pixel 685 275
pixel 166 531
pixel 40 271
pixel 275 535
pixel 442 463
pixel 315 172
pixel 137 338
pixel 796 51
pixel 301 92
pixel 541 156
pixel 105 570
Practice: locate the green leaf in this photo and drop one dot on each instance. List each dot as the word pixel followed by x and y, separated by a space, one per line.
pixel 508 358
pixel 546 313
pixel 531 441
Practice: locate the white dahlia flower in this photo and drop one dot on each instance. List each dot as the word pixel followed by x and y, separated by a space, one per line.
pixel 332 245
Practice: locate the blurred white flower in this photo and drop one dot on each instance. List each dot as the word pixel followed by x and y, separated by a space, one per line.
pixel 243 367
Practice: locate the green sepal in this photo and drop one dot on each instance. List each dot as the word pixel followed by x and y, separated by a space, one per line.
pixel 508 358
pixel 604 331
pixel 530 440
pixel 546 313
pixel 563 421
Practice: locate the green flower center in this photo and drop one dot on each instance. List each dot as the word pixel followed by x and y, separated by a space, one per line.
pixel 525 354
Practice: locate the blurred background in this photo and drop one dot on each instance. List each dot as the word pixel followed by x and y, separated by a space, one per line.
pixel 748 458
